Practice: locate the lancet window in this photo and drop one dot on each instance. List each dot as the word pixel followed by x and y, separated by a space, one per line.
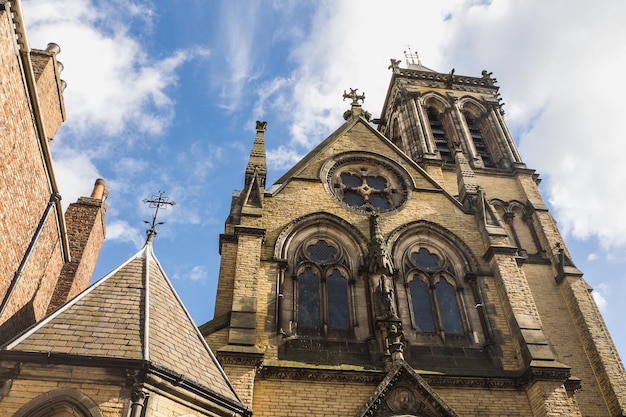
pixel 319 284
pixel 518 222
pixel 433 294
pixel 439 134
pixel 439 295
pixel 482 149
pixel 322 284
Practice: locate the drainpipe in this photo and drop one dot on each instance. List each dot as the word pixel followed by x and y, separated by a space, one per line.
pixel 54 199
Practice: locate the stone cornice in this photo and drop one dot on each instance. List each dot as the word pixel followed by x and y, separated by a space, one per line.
pixel 456 82
pixel 324 375
pixel 504 381
pixel 249 231
pixel 252 359
pixel 499 250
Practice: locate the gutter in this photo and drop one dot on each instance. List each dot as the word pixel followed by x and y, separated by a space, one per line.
pixel 29 75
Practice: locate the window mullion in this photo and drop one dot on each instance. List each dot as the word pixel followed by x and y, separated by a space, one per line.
pixel 434 302
pixel 324 303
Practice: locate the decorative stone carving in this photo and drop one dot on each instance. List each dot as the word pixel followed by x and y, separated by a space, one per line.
pixel 386 296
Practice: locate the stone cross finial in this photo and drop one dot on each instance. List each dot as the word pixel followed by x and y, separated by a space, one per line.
pixel 354 96
pixel 157 202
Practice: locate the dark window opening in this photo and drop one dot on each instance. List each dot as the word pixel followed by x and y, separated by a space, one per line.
pixel 323 292
pixel 308 300
pixel 439 135
pixel 448 308
pixel 338 314
pixel 422 310
pixel 479 142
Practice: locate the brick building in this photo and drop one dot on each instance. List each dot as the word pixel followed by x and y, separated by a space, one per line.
pixel 46 256
pixel 67 351
pixel 412 269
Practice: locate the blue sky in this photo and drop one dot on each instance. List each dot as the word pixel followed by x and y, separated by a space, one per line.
pixel 163 95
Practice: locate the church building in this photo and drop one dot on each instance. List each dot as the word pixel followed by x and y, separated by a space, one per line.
pixel 408 269
pixel 406 266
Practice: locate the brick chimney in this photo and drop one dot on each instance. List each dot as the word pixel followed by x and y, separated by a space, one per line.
pixel 86 232
pixel 50 87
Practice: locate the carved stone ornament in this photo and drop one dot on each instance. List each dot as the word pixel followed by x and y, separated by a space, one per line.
pixel 401 400
pixel 404 392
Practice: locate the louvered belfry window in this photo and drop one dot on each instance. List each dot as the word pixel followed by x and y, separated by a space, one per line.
pixel 479 142
pixel 439 135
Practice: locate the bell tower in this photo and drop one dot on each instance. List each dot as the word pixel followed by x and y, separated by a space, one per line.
pixel 431 115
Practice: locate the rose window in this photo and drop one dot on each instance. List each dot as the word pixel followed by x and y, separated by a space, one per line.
pixel 366 185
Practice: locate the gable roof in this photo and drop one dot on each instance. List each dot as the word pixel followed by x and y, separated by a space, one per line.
pixel 404 392
pixel 133 313
pixel 342 130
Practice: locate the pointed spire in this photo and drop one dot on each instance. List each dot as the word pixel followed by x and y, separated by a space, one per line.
pixel 257 166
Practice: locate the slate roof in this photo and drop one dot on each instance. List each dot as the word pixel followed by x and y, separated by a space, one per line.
pixel 132 313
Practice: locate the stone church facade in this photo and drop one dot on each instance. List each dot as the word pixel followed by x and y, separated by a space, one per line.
pixel 409 269
pixel 406 269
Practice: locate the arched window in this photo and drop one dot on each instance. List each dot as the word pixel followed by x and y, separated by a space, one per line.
pixel 448 307
pixel 434 301
pixel 62 402
pixel 439 134
pixel 322 290
pixel 321 293
pixel 422 308
pixel 479 141
pixel 518 223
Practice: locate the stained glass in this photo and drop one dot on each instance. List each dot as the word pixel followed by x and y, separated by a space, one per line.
pixel 380 201
pixel 425 260
pixel 353 199
pixel 448 308
pixel 338 315
pixel 322 252
pixel 377 183
pixel 308 300
pixel 422 310
pixel 350 180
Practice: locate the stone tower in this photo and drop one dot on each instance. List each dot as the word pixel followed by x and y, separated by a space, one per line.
pixel 412 269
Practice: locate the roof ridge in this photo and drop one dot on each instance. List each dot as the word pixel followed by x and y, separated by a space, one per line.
pixel 150 253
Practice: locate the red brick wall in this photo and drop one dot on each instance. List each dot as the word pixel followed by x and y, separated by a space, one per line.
pixel 26 190
pixel 86 231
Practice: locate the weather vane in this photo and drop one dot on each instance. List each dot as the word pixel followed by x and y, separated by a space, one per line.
pixel 156 202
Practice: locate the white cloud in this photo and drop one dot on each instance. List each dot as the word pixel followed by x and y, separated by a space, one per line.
pixel 114 85
pixel 598 295
pixel 67 163
pixel 556 68
pixel 121 231
pixel 348 45
pixel 282 158
pixel 198 273
pixel 238 28
pixel 592 257
pixel 549 57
